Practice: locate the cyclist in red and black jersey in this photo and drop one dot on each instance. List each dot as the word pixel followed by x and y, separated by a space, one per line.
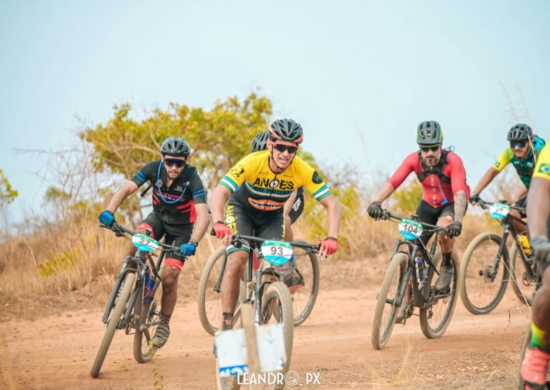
pixel 179 203
pixel 445 192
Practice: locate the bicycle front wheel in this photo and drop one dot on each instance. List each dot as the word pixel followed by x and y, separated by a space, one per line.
pixel 114 321
pixel 524 285
pixel 303 284
pixel 149 319
pixel 435 319
pixel 481 289
pixel 385 313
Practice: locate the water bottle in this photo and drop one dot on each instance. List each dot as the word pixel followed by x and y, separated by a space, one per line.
pixel 148 286
pixel 419 274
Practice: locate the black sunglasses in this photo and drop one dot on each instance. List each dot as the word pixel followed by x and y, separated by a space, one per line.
pixel 282 148
pixel 174 161
pixel 432 148
pixel 519 144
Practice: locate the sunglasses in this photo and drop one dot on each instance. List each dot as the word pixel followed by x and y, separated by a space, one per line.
pixel 281 148
pixel 434 148
pixel 518 144
pixel 170 162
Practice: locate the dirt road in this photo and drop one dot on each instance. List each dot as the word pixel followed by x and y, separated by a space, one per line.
pixel 57 352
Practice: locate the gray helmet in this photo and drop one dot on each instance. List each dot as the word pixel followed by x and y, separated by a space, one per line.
pixel 260 141
pixel 429 133
pixel 286 130
pixel 520 132
pixel 175 146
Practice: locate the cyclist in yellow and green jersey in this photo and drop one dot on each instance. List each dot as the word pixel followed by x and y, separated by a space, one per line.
pixel 522 154
pixel 258 187
pixel 535 362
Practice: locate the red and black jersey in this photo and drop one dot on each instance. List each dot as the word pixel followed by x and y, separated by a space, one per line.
pixel 174 204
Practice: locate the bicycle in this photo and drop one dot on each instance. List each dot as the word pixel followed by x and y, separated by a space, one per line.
pixel 131 305
pixel 483 279
pixel 303 285
pixel 267 292
pixel 409 284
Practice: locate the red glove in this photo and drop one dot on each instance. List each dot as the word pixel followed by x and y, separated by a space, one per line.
pixel 329 245
pixel 222 230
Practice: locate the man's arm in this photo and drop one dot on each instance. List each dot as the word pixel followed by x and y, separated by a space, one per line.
pixel 384 193
pixel 460 205
pixel 202 222
pixel 218 201
pixel 486 179
pixel 128 189
pixel 290 202
pixel 334 213
pixel 538 207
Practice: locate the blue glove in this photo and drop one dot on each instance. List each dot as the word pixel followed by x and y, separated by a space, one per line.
pixel 188 249
pixel 107 218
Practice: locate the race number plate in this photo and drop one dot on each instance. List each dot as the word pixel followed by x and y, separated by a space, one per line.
pixel 410 229
pixel 277 252
pixel 499 211
pixel 145 243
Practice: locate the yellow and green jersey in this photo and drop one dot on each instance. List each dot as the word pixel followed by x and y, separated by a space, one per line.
pixel 253 184
pixel 542 169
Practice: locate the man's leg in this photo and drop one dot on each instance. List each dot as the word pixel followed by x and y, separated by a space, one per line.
pixel 446 270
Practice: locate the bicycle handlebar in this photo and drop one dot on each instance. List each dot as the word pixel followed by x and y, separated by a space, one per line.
pixel 237 239
pixel 120 231
pixel 484 205
pixel 387 215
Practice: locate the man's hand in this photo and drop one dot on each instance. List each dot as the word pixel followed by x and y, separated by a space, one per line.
pixel 188 249
pixel 107 218
pixel 223 232
pixel 329 246
pixel 375 210
pixel 454 229
pixel 474 198
pixel 541 247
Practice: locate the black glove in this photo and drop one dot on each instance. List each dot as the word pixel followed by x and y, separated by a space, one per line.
pixel 454 229
pixel 375 210
pixel 474 198
pixel 541 247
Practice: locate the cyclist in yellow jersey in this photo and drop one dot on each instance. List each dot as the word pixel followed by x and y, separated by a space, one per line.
pixel 535 363
pixel 257 188
pixel 522 154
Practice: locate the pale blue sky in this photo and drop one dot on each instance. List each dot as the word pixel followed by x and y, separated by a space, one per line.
pixel 337 67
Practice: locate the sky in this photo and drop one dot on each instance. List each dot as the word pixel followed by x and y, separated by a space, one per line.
pixel 358 75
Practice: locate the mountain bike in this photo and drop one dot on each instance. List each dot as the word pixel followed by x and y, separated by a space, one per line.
pixel 487 265
pixel 409 283
pixel 134 303
pixel 269 295
pixel 303 284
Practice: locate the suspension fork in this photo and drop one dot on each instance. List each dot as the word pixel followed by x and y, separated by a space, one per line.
pixel 123 271
pixel 501 250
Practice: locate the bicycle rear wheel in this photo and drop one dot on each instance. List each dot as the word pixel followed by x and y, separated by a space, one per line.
pixel 149 318
pixel 114 321
pixel 480 291
pixel 435 319
pixel 385 313
pixel 303 284
pixel 524 286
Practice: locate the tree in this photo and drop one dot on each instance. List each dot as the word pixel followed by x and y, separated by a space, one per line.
pixel 218 138
pixel 7 193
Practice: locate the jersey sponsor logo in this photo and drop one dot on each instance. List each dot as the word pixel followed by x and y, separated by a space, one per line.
pixel 274 183
pixel 497 164
pixel 265 204
pixel 544 169
pixel 237 171
pixel 159 183
pixel 316 178
pixel 297 204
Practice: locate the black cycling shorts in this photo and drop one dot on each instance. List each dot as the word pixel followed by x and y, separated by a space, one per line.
pixel 176 235
pixel 297 208
pixel 428 214
pixel 522 203
pixel 270 225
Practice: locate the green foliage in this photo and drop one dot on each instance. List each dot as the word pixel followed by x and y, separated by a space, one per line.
pixel 60 263
pixel 219 137
pixel 7 193
pixel 408 198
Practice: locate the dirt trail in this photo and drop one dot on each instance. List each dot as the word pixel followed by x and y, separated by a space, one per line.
pixel 57 352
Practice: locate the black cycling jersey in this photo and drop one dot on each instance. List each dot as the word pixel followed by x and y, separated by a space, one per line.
pixel 174 205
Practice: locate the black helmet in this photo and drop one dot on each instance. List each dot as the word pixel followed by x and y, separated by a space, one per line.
pixel 259 142
pixel 286 130
pixel 429 133
pixel 520 132
pixel 175 146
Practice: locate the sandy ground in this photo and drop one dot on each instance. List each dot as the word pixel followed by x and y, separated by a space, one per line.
pixel 476 352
